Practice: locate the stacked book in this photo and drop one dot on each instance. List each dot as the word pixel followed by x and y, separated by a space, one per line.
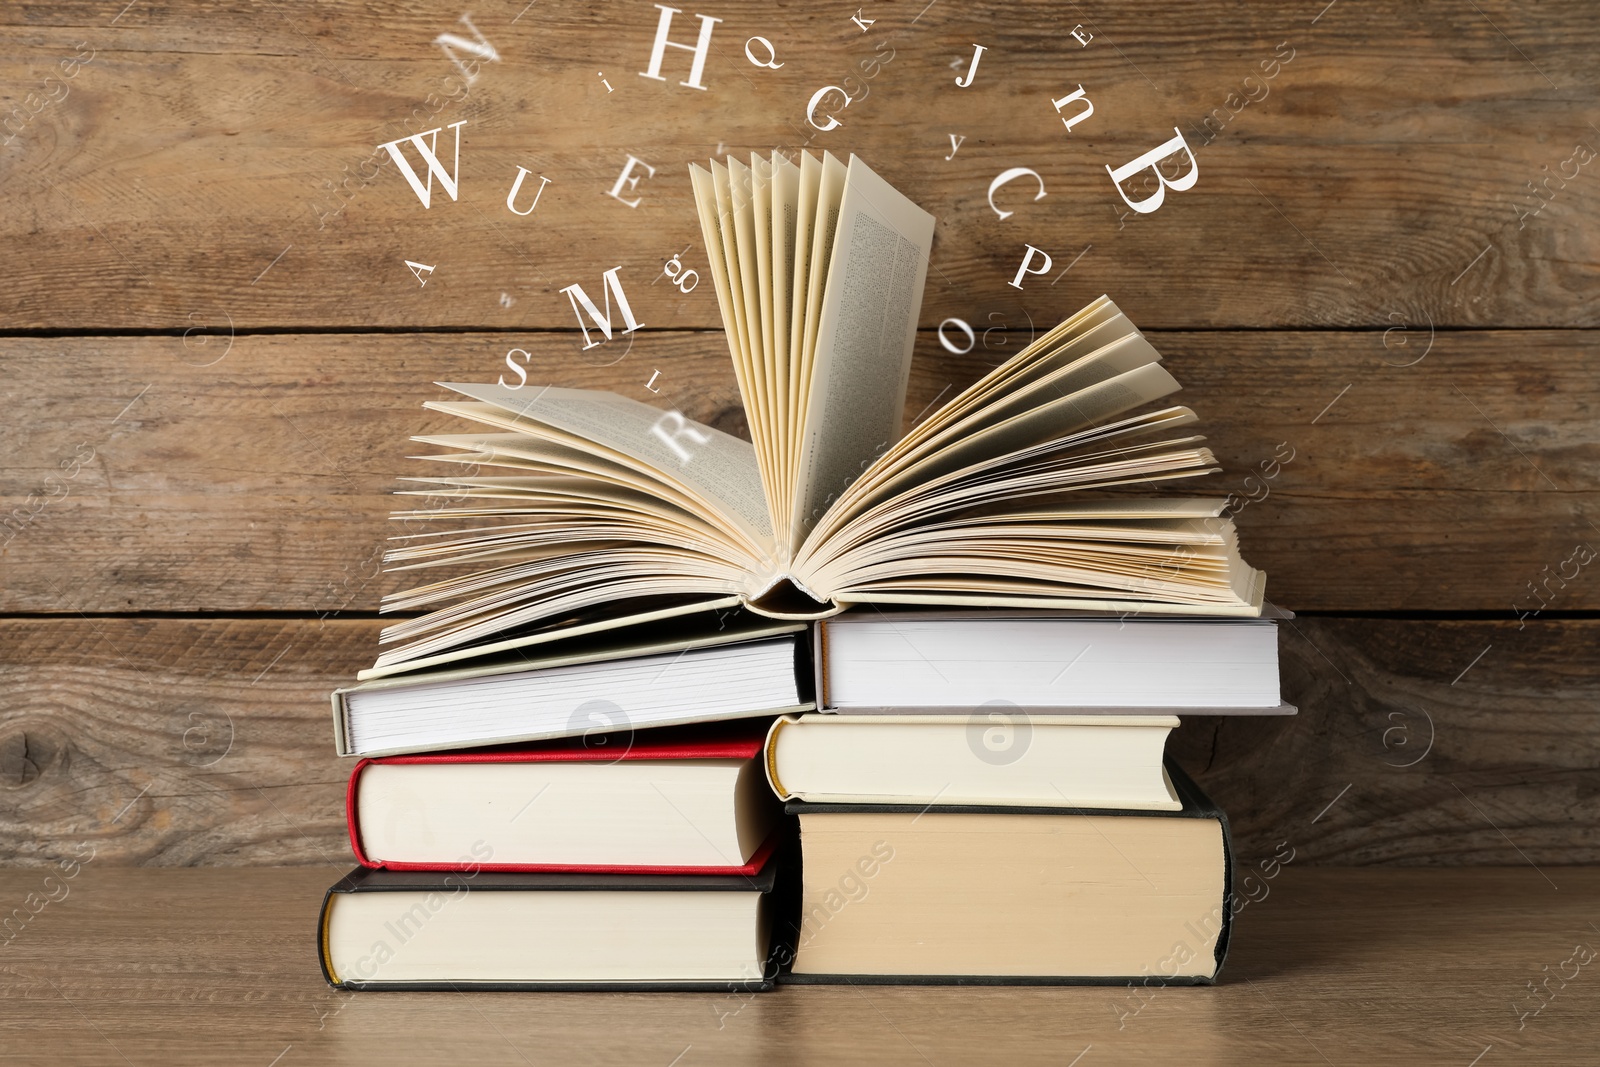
pixel 564 848
pixel 985 798
pixel 689 711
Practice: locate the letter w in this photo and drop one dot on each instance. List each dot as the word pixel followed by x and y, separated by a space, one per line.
pixel 447 179
pixel 610 284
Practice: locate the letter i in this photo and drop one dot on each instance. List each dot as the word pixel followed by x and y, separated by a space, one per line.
pixel 607 84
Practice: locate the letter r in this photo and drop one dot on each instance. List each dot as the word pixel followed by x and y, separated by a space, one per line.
pixel 680 428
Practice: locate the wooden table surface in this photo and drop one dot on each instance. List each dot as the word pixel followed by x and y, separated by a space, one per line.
pixel 1331 966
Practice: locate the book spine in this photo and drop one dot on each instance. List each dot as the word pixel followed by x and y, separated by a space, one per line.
pixel 819 651
pixel 341 734
pixel 769 756
pixel 324 956
pixel 352 817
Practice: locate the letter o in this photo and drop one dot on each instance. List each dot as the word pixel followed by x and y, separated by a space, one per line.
pixel 972 338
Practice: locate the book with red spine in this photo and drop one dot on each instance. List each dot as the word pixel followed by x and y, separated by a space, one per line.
pixel 680 802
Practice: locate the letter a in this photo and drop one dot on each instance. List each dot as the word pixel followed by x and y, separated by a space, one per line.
pixel 447 179
pixel 609 285
pixel 1150 160
pixel 699 49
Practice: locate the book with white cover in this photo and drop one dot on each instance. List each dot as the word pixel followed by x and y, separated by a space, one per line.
pixel 702 677
pixel 1039 661
pixel 994 758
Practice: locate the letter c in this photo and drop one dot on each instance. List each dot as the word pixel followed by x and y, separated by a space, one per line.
pixel 1011 175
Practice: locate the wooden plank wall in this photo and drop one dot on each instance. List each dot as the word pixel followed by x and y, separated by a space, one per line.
pixel 212 351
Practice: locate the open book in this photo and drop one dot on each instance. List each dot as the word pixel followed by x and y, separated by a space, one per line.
pixel 583 509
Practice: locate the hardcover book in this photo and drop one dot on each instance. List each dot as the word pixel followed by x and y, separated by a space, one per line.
pixel 899 894
pixel 648 680
pixel 490 930
pixel 998 757
pixel 927 661
pixel 581 505
pixel 615 803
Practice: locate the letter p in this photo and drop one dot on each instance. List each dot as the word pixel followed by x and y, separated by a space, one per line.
pixel 1016 283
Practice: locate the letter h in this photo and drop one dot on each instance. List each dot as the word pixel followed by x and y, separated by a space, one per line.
pixel 700 49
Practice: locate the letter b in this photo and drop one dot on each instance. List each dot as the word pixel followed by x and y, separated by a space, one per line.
pixel 1149 161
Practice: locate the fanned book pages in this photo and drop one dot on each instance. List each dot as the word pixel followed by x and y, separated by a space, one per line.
pixel 587 509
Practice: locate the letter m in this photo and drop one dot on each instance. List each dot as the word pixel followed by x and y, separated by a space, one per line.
pixel 481 47
pixel 581 299
pixel 447 179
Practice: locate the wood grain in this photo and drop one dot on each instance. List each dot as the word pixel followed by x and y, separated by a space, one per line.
pixel 175 742
pixel 1373 967
pixel 262 480
pixel 182 742
pixel 209 162
pixel 209 364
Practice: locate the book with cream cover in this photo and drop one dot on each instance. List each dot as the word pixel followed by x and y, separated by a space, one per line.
pixel 994 756
pixel 662 802
pixel 496 930
pixel 582 509
pixel 943 894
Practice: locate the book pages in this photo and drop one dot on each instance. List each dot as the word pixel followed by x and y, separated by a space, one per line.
pixel 717 467
pixel 866 333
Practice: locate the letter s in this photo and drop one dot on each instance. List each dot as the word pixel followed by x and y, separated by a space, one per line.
pixel 883 850
pixel 522 375
pixel 1278 51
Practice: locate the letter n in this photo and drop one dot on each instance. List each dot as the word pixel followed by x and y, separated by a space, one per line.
pixel 447 179
pixel 481 47
pixel 580 299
